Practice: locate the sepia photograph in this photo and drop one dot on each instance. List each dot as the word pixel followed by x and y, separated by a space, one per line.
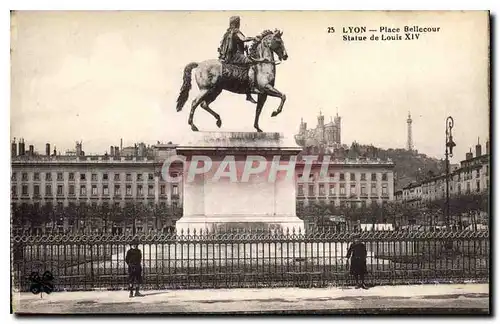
pixel 250 162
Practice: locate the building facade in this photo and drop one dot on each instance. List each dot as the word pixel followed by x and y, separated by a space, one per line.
pixel 412 194
pixel 472 176
pixel 355 183
pixel 116 181
pixel 79 180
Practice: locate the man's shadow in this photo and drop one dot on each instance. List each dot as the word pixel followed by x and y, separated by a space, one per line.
pixel 367 286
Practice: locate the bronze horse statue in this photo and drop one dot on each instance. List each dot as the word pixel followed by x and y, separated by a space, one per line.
pixel 213 76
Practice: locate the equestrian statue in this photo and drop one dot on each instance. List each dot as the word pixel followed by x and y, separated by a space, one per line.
pixel 237 70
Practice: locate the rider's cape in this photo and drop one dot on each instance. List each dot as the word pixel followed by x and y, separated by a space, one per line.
pixel 227 45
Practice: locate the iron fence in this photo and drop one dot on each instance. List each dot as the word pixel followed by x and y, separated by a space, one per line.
pixel 251 259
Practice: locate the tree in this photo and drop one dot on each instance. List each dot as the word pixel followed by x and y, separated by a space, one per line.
pixel 129 212
pixel 34 215
pixel 71 215
pixel 102 213
pixel 165 214
pixel 46 214
pixel 82 212
pixel 58 216
pixel 18 217
pixel 133 212
pixel 375 212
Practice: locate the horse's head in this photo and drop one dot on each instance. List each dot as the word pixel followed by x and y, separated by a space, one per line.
pixel 273 41
pixel 277 45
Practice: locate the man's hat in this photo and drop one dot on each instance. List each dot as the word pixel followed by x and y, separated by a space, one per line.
pixel 135 241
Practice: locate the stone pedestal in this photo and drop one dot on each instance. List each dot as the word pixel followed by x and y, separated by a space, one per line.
pixel 232 194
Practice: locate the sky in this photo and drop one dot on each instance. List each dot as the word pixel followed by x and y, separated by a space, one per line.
pixel 102 76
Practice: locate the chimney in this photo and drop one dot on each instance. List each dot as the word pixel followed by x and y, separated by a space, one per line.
pixel 79 149
pixel 478 149
pixel 21 146
pixel 468 156
pixel 141 149
pixel 32 150
pixel 47 149
pixel 135 149
pixel 488 147
pixel 55 152
pixel 13 149
pixel 117 151
pixel 121 144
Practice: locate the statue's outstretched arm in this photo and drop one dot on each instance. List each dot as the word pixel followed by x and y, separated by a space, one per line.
pixel 243 38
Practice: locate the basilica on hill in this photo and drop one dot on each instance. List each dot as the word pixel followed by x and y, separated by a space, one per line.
pixel 324 136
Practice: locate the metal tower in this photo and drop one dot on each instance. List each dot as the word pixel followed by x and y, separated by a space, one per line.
pixel 409 144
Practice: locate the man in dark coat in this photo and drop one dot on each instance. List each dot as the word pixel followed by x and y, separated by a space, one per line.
pixel 357 253
pixel 133 260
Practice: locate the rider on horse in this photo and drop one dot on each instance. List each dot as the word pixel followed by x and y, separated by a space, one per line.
pixel 232 48
pixel 236 73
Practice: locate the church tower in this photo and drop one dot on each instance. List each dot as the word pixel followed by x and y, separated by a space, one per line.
pixel 321 120
pixel 337 121
pixel 303 126
pixel 321 128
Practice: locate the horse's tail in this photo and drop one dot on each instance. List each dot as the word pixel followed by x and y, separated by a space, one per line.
pixel 186 85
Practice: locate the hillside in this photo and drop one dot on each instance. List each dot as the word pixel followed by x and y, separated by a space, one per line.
pixel 411 166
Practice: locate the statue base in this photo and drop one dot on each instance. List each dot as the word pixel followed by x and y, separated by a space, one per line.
pixel 241 199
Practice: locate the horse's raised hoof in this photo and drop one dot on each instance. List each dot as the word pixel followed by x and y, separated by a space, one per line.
pixel 274 114
pixel 194 128
pixel 252 100
pixel 219 123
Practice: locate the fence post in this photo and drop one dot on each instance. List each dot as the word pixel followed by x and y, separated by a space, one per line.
pixel 92 266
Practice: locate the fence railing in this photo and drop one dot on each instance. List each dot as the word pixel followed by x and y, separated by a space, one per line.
pixel 252 259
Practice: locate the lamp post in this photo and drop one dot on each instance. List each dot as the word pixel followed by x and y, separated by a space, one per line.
pixel 448 153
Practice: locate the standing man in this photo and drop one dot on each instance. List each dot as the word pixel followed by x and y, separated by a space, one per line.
pixel 357 253
pixel 133 260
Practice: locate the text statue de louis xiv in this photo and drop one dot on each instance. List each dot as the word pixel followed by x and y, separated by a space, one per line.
pixel 237 70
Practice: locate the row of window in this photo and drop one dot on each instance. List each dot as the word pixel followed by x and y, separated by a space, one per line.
pixel 351 176
pixel 348 204
pixel 468 175
pixel 443 188
pixel 433 190
pixel 342 192
pixel 440 184
pixel 104 189
pixel 83 176
pixel 140 177
pixel 59 205
pixel 468 188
